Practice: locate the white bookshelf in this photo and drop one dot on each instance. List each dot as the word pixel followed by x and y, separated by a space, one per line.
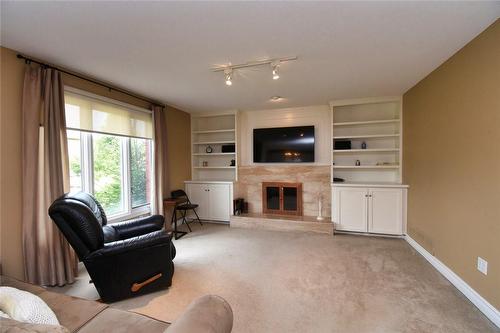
pixel 214 130
pixel 378 123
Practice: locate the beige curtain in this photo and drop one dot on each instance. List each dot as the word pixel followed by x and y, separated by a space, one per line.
pixel 160 158
pixel 48 259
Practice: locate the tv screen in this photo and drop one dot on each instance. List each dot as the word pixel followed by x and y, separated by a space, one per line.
pixel 283 145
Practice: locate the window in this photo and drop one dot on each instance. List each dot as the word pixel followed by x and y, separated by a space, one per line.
pixel 117 169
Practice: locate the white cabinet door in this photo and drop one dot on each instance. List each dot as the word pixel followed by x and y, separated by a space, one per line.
pixel 385 211
pixel 350 212
pixel 199 194
pixel 219 202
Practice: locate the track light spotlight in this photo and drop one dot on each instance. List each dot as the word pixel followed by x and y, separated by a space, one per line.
pixel 229 76
pixel 275 66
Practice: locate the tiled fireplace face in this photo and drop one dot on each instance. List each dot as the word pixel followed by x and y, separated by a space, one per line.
pixel 315 182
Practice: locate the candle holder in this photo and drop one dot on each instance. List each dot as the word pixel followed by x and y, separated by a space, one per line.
pixel 320 208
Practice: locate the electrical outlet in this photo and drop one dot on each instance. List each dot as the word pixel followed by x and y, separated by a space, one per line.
pixel 482 265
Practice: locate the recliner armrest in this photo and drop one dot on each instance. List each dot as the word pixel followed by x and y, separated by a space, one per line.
pixel 144 241
pixel 137 227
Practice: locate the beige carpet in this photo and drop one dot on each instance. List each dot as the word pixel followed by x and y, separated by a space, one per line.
pixel 299 282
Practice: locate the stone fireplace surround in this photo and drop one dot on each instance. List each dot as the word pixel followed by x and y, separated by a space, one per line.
pixel 315 182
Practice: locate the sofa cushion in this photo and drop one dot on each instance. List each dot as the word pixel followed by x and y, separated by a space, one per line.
pixel 14 326
pixel 26 307
pixel 71 312
pixel 118 321
pixel 10 282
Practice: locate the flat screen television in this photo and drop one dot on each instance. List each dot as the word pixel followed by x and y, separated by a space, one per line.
pixel 283 145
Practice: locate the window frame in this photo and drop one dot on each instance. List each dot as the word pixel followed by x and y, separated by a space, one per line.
pixel 87 163
pixel 87 176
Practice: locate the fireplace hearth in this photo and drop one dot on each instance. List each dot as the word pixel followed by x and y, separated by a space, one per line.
pixel 282 198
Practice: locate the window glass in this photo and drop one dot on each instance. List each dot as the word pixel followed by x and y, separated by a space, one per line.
pixel 140 172
pixel 107 169
pixel 75 160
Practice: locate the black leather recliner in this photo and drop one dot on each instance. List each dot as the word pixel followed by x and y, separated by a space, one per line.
pixel 123 259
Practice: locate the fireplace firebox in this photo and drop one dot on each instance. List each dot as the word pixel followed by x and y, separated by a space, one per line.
pixel 282 198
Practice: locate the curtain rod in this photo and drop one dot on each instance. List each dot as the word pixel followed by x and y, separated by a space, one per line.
pixel 29 60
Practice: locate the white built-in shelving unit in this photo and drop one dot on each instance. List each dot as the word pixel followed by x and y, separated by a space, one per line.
pixel 378 123
pixel 214 130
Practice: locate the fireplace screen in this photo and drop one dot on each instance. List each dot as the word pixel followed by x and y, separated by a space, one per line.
pixel 290 198
pixel 273 197
pixel 282 198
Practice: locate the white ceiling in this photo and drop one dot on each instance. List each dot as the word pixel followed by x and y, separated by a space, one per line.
pixel 165 50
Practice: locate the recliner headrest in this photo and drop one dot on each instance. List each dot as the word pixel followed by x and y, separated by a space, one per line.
pixel 80 218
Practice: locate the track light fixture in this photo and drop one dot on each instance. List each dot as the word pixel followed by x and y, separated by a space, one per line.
pixel 228 72
pixel 275 64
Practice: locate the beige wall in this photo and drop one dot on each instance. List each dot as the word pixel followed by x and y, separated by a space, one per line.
pixel 12 73
pixel 452 162
pixel 11 86
pixel 179 147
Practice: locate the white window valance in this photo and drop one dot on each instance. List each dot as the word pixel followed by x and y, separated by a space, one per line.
pixel 92 113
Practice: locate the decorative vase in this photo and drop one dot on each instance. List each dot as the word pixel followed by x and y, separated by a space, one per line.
pixel 320 208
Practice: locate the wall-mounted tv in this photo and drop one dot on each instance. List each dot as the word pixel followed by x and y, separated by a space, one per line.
pixel 283 145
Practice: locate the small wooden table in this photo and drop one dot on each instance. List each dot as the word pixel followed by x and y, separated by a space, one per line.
pixel 172 203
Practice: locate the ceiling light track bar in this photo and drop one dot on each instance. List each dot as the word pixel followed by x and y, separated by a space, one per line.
pixel 254 63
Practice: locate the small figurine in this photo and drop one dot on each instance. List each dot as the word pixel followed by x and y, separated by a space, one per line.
pixel 233 163
pixel 363 145
pixel 358 162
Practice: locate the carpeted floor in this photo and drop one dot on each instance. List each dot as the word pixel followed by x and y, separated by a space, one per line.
pixel 302 282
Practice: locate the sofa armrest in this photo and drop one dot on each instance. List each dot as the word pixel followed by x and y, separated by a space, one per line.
pixel 207 314
pixel 137 227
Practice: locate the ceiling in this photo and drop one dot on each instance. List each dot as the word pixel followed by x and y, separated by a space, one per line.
pixel 164 50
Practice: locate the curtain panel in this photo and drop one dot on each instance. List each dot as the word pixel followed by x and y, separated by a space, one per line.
pixel 160 158
pixel 48 258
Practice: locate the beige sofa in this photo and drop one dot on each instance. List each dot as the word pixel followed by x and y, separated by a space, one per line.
pixel 210 314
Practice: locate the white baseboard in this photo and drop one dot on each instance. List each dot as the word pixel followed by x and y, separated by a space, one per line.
pixel 483 305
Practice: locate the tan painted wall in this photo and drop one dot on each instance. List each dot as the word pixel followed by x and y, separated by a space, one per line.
pixel 179 147
pixel 11 87
pixel 451 161
pixel 12 73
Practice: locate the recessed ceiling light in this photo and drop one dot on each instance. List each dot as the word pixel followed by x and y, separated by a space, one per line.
pixel 276 98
